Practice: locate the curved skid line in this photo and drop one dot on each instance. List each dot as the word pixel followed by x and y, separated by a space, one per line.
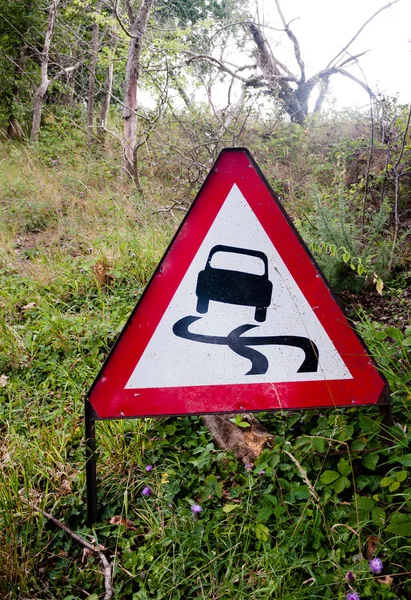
pixel 241 345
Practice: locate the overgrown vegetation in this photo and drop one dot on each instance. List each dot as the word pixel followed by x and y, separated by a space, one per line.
pixel 331 490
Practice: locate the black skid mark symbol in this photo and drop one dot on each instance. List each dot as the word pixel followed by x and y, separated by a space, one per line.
pixel 240 345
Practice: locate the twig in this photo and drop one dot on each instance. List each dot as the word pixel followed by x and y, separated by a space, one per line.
pixel 359 31
pixel 174 206
pixel 304 476
pixel 397 191
pixel 107 568
pixel 346 526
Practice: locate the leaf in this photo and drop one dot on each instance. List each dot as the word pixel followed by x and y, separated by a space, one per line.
pixel 395 333
pixel 344 466
pixel 262 532
pixel 370 461
pixel 318 444
pixel 379 285
pixel 378 515
pixel 401 475
pixel 341 484
pixel 328 477
pixel 405 460
pixel 365 504
pixel 227 508
pixel 119 520
pixel 371 546
pixel 386 481
pixel 264 513
pixel 394 486
pixel 400 524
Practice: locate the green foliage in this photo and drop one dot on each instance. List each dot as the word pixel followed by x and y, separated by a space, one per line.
pixel 78 245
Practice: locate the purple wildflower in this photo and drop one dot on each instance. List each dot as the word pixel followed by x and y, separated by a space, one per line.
pixel 146 491
pixel 149 468
pixel 350 577
pixel 261 472
pixel 353 596
pixel 196 509
pixel 248 467
pixel 376 565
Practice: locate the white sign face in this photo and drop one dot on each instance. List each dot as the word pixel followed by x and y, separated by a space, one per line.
pixel 237 317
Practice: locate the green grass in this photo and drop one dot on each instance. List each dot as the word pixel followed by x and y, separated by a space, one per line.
pixel 74 258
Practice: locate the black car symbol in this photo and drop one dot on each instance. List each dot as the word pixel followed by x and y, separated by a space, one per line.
pixel 235 287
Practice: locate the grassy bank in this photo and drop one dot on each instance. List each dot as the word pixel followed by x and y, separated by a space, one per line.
pixel 331 490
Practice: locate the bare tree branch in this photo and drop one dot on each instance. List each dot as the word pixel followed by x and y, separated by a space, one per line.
pixel 107 567
pixel 291 36
pixel 391 3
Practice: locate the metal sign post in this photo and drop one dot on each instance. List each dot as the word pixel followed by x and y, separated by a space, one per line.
pixel 91 462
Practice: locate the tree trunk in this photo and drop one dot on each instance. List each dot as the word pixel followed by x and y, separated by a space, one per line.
pixel 108 82
pixel 92 75
pixel 137 32
pixel 295 102
pixel 42 88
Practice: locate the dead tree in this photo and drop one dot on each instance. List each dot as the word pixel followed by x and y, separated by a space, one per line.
pixel 293 91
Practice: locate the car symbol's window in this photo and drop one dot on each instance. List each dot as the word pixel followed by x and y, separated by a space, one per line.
pixel 237 262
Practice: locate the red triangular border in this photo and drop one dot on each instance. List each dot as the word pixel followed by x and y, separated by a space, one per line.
pixel 108 396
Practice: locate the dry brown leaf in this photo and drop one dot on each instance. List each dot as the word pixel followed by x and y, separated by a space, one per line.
pixel 386 580
pixel 119 520
pixel 29 306
pixel 371 546
pixel 65 487
pixel 101 272
pixel 3 380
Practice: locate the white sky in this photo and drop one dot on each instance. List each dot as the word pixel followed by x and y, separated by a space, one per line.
pixel 323 27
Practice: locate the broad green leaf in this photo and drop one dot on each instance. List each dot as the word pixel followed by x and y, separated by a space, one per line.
pixel 227 508
pixel 318 443
pixel 344 466
pixel 405 460
pixel 394 486
pixel 328 477
pixel 358 445
pixel 365 504
pixel 262 532
pixel 395 333
pixel 400 524
pixel 401 476
pixel 378 515
pixel 386 481
pixel 264 513
pixel 341 483
pixel 370 461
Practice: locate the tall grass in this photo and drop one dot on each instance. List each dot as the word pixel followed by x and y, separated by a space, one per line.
pixel 77 249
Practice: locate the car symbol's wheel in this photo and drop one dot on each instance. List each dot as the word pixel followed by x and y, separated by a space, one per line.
pixel 202 305
pixel 260 314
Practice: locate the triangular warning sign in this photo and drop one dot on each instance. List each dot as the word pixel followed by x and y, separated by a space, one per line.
pixel 237 317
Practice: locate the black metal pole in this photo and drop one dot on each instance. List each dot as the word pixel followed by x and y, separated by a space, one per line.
pixel 91 463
